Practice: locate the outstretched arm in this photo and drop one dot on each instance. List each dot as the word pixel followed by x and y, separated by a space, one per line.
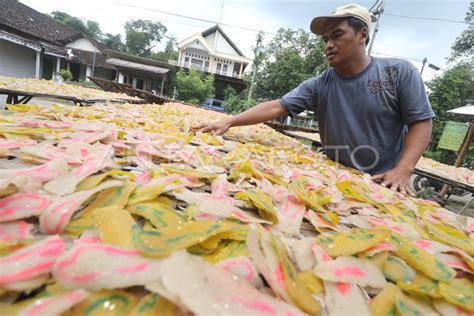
pixel 262 112
pixel 416 140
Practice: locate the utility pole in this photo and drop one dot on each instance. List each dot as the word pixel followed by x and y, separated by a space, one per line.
pixel 423 65
pixel 222 10
pixel 256 62
pixel 93 61
pixel 377 11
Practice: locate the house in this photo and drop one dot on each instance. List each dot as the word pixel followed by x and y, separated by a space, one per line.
pixel 212 51
pixel 30 41
pixel 142 73
pixel 86 58
pixel 34 45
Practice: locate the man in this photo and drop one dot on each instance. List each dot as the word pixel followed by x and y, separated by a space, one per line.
pixel 373 113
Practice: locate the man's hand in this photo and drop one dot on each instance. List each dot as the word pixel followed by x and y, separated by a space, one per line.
pixel 416 140
pixel 262 112
pixel 216 128
pixel 397 179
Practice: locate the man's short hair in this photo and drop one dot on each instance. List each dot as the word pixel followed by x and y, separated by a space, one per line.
pixel 358 25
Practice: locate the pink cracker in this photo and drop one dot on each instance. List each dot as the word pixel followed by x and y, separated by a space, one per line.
pixel 31 261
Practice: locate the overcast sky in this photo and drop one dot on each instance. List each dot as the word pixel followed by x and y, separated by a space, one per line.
pixel 410 38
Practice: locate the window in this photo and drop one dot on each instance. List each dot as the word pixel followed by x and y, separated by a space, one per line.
pixel 224 69
pixel 218 68
pixel 196 63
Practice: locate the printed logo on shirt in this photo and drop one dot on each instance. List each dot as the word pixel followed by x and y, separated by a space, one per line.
pixel 388 79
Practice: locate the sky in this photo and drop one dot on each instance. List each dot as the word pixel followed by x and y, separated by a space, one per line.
pixel 409 37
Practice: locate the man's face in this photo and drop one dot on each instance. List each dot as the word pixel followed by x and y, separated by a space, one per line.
pixel 341 42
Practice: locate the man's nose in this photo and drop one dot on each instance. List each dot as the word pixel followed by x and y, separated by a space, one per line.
pixel 329 45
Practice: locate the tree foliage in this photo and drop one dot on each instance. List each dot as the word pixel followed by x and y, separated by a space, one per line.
pixel 142 35
pixel 236 103
pixel 93 29
pixel 450 90
pixel 291 57
pixel 463 47
pixel 257 61
pixel 168 54
pixel 112 41
pixel 193 86
pixel 87 27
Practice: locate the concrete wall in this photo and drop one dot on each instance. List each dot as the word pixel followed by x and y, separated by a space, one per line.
pixel 16 61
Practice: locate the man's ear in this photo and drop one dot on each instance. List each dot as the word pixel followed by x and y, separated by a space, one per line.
pixel 364 32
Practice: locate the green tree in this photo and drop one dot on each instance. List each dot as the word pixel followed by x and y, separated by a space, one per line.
pixel 169 53
pixel 236 103
pixel 450 90
pixel 142 35
pixel 453 89
pixel 193 87
pixel 87 27
pixel 113 41
pixel 463 47
pixel 93 29
pixel 291 57
pixel 71 21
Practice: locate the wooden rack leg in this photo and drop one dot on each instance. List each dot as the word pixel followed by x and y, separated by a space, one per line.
pixel 466 206
pixel 9 99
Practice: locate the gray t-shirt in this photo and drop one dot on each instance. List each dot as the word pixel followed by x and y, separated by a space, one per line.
pixel 363 119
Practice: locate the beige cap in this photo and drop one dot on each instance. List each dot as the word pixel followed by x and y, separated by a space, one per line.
pixel 355 10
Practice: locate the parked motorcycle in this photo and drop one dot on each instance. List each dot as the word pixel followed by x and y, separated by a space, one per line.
pixel 421 182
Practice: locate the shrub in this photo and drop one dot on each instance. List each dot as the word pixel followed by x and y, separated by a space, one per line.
pixel 65 74
pixel 236 103
pixel 193 87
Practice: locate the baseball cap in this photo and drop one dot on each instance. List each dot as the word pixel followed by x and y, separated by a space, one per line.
pixel 354 10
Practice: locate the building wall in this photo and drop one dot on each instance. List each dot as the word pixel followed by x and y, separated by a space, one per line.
pixel 104 73
pixel 223 66
pixel 210 39
pixel 197 45
pixel 82 72
pixel 82 43
pixel 48 67
pixel 224 47
pixel 195 56
pixel 16 61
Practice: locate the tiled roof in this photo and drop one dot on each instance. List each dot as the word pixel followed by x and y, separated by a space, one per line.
pixel 22 18
pixel 87 58
pixel 139 60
